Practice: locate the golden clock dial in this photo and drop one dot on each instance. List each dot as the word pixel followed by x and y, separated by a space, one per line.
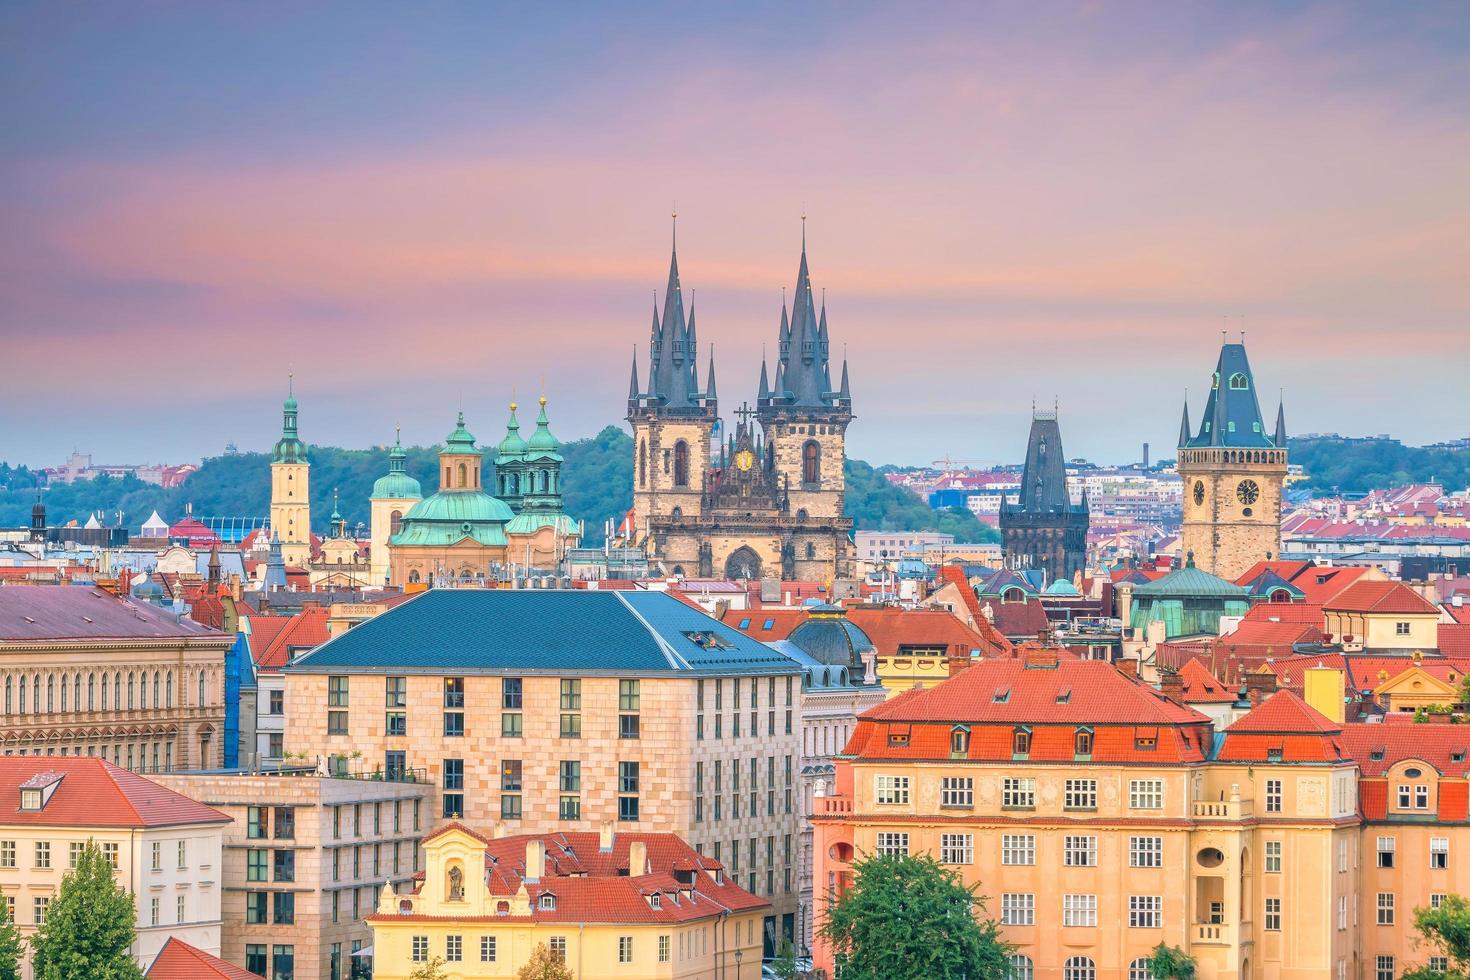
pixel 744 459
pixel 1248 492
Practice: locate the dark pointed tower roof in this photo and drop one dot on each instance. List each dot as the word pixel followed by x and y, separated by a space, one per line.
pixel 803 363
pixel 1280 437
pixel 1184 425
pixel 1232 416
pixel 1044 479
pixel 673 377
pixel 633 382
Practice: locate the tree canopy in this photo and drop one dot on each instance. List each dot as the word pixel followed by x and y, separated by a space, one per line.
pixel 12 947
pixel 1444 931
pixel 543 966
pixel 1171 963
pixel 89 925
pixel 911 917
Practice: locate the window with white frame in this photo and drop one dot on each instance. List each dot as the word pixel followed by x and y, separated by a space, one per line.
pixel 1145 911
pixel 1079 968
pixel 1385 908
pixel 1386 848
pixel 1080 794
pixel 1439 853
pixel 1145 852
pixel 1342 855
pixel 1436 899
pixel 1273 796
pixel 1018 849
pixel 1341 912
pixel 1146 794
pixel 1018 793
pixel 1019 967
pixel 891 789
pixel 1141 969
pixel 892 843
pixel 1017 909
pixel 1079 910
pixel 1439 964
pixel 1273 856
pixel 1384 968
pixel 957 792
pixel 1079 851
pixel 420 950
pixel 1273 915
pixel 956 848
pixel 1421 796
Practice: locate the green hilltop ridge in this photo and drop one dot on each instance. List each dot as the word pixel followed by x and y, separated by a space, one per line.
pixel 597 482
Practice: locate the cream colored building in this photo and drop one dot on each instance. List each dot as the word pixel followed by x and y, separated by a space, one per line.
pixel 611 906
pixel 394 494
pixel 166 849
pixel 85 672
pixel 1382 615
pixel 566 709
pixel 291 491
pixel 303 862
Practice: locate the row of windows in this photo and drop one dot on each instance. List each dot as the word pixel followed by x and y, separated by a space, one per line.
pixel 65 692
pixel 752 783
pixel 1439 852
pixel 41 854
pixel 569 781
pixel 123 756
pixel 1018 793
pixel 454 949
pixel 359 866
pixel 359 826
pixel 1019 909
pixel 1020 967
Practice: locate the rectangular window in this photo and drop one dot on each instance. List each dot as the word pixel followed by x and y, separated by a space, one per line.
pixel 156 854
pixel 487 949
pixel 283 962
pixel 395 692
pixel 956 849
pixel 257 864
pixel 628 784
pixel 510 693
pixel 1017 909
pixel 558 948
pixel 285 818
pixel 337 692
pixel 154 916
pixel 183 855
pixel 419 950
pixel 257 822
pixel 1146 852
pixel 74 854
pixel 891 789
pixel 255 908
pixel 454 724
pixel 571 726
pixel 1145 911
pixel 1273 856
pixel 1439 853
pixel 628 705
pixel 454 948
pixel 40 904
pixel 1401 629
pixel 1273 915
pixel 284 866
pixel 43 854
pixel 1018 849
pixel 285 908
pixel 453 788
pixel 1384 967
pixel 1386 847
pixel 625 949
pixel 7 853
pixel 1080 794
pixel 664 944
pixel 1079 851
pixel 1146 794
pixel 957 792
pixel 255 961
pixel 395 723
pixel 1385 908
pixel 276 705
pixel 1079 910
pixel 892 843
pixel 1273 796
pixel 1018 793
pixel 512 725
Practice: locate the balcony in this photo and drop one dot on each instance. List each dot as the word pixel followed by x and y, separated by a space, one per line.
pixel 1222 809
pixel 1211 934
pixel 832 806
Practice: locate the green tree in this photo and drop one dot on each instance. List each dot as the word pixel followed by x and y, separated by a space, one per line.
pixel 1171 963
pixel 543 966
pixel 12 947
pixel 431 970
pixel 89 925
pixel 1445 931
pixel 785 962
pixel 911 917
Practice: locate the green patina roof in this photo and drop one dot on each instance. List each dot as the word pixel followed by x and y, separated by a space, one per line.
pixel 530 523
pixel 397 484
pixel 1191 582
pixel 1062 586
pixel 289 448
pixel 460 442
pixel 450 516
pixel 512 447
pixel 543 444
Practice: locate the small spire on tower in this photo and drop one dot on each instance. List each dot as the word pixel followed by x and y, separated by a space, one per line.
pixel 1280 437
pixel 709 395
pixel 1184 423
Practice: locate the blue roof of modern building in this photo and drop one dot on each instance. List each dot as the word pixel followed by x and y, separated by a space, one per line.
pixel 516 631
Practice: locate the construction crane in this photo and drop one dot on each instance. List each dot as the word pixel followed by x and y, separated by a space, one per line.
pixel 949 465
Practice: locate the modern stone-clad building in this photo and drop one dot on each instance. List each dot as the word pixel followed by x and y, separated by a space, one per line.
pixel 85 672
pixel 304 859
pixel 544 710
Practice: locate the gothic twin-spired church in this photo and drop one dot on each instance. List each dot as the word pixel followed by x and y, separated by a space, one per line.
pixel 766 501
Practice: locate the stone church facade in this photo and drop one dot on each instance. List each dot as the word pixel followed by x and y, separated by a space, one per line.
pixel 766 502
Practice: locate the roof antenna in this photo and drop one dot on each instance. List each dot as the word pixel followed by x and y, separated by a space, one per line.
pixel 676 225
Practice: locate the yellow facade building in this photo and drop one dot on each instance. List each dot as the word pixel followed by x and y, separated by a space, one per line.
pixel 291 490
pixel 612 906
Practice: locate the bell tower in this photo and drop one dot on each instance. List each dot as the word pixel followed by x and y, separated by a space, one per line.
pixel 1233 471
pixel 291 488
pixel 673 421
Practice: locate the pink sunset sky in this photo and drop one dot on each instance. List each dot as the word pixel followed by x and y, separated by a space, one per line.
pixel 415 210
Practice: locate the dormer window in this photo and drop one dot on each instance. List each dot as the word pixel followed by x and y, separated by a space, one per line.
pixel 1001 696
pixel 1064 696
pixel 655 901
pixel 1082 742
pixel 30 799
pixel 1021 742
pixel 1274 754
pixel 719 876
pixel 547 902
pixel 959 741
pixel 898 735
pixel 1377 752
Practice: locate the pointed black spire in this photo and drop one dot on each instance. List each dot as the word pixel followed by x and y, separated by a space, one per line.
pixel 764 395
pixel 672 376
pixel 844 395
pixel 1184 426
pixel 709 393
pixel 633 381
pixel 1280 438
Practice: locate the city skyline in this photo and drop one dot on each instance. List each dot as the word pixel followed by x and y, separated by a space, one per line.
pixel 415 216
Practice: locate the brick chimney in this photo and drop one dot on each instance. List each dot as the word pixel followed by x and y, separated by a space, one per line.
pixel 1171 685
pixel 637 858
pixel 1259 686
pixel 605 837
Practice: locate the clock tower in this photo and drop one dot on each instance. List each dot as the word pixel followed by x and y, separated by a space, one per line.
pixel 1232 470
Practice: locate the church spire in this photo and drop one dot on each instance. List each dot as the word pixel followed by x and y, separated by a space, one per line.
pixel 709 393
pixel 803 365
pixel 845 394
pixel 671 374
pixel 764 394
pixel 1184 425
pixel 1280 438
pixel 633 381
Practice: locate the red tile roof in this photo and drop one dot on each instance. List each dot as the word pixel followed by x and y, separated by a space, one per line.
pixel 893 629
pixel 1287 725
pixel 753 622
pixel 82 612
pixel 95 793
pixel 1454 639
pixel 1434 744
pixel 1202 687
pixel 1381 597
pixel 1286 569
pixel 300 633
pixel 1324 583
pixel 982 624
pixel 1308 613
pixel 180 961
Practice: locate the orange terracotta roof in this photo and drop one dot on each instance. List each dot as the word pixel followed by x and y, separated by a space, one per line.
pixel 1309 613
pixel 301 632
pixel 956 576
pixel 1203 687
pixel 94 793
pixel 180 961
pixel 1281 635
pixel 893 629
pixel 767 624
pixel 1454 639
pixel 1381 597
pixel 1284 728
pixel 1286 569
pixel 1378 748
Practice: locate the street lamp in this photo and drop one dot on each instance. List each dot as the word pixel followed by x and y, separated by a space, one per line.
pixel 739 955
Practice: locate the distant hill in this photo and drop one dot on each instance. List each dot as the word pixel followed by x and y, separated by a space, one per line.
pixel 598 485
pixel 1360 465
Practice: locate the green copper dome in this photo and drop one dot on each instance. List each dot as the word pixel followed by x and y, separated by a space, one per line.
pixel 289 448
pixel 447 517
pixel 397 484
pixel 543 444
pixel 460 442
pixel 512 447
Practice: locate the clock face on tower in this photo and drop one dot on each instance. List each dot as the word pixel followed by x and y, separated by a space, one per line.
pixel 1248 492
pixel 744 460
pixel 1199 492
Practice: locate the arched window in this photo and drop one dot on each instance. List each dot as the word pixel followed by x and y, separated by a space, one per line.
pixel 64 699
pixel 1019 967
pixel 168 688
pixel 447 482
pixel 117 691
pixel 35 694
pixel 677 513
pixel 1140 969
pixel 130 690
pixel 9 694
pixel 157 679
pixel 50 693
pixel 413 576
pixel 642 463
pixel 22 694
pixel 1079 968
pixel 76 692
pixel 1238 381
pixel 201 688
pixel 1082 741
pixel 811 462
pixel 681 463
pixel 395 522
pixel 1021 741
pixel 463 477
pixel 811 550
pixel 92 691
pixel 143 691
pixel 104 692
pixel 959 740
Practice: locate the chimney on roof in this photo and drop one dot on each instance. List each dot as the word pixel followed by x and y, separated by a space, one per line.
pixel 1127 666
pixel 1259 685
pixel 637 858
pixel 959 659
pixel 605 837
pixel 535 860
pixel 1171 685
pixel 499 830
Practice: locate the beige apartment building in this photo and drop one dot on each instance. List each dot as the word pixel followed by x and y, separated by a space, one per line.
pixel 86 673
pixel 562 710
pixel 166 848
pixel 303 862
